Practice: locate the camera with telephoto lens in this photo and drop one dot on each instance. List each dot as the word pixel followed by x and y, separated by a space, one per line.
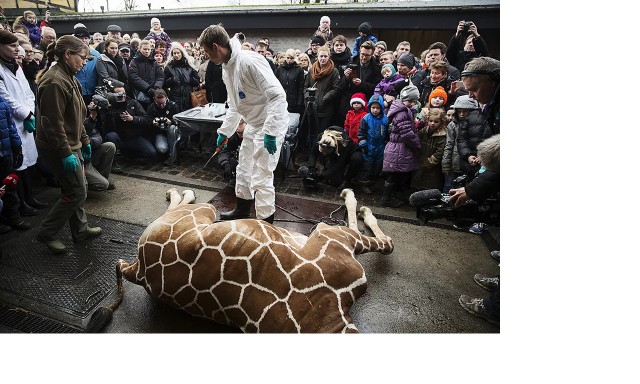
pixel 466 214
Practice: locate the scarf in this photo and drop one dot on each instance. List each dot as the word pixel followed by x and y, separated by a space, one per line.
pixel 318 73
pixel 12 65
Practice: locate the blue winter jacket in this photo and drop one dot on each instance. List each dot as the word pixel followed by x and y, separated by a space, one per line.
pixel 88 75
pixel 8 133
pixel 359 41
pixel 375 131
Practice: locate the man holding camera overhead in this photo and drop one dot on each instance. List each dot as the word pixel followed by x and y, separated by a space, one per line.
pixel 466 44
pixel 257 97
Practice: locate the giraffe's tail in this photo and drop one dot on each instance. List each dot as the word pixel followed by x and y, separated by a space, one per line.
pixel 102 316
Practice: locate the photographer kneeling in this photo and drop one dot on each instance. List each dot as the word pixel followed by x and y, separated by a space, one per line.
pixel 487 183
pixel 167 134
pixel 125 125
pixel 341 156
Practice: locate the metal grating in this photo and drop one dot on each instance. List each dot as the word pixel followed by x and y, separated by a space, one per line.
pixel 64 287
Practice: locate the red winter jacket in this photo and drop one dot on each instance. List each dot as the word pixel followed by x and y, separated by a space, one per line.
pixel 352 122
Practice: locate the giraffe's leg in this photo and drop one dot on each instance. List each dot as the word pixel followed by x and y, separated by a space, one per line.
pixel 381 242
pixel 174 197
pixel 188 197
pixel 351 204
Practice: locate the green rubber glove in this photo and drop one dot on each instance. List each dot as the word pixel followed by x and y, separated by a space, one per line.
pixel 221 139
pixel 270 144
pixel 70 163
pixel 86 152
pixel 30 125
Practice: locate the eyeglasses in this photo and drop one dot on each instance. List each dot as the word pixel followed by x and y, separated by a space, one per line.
pixel 365 54
pixel 83 57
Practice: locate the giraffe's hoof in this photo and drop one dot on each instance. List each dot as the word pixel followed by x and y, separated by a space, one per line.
pixel 345 193
pixel 168 194
pixel 188 196
pixel 364 212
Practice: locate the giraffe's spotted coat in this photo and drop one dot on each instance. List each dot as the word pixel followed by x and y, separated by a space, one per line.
pixel 251 274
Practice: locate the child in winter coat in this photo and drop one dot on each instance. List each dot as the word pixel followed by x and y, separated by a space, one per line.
pixel 355 114
pixel 364 34
pixel 437 98
pixel 433 138
pixel 451 158
pixel 30 21
pixel 387 86
pixel 157 33
pixel 372 136
pixel 400 153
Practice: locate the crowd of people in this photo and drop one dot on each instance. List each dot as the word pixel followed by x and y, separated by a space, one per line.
pixel 365 116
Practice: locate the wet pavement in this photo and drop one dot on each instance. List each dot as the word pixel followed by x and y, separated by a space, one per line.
pixel 413 290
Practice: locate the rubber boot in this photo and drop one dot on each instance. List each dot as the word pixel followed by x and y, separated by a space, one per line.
pixel 388 200
pixel 25 209
pixel 28 190
pixel 241 211
pixel 270 218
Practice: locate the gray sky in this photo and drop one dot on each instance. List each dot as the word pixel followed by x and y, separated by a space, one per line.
pixel 118 5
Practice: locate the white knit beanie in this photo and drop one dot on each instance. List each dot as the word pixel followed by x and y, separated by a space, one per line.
pixel 155 20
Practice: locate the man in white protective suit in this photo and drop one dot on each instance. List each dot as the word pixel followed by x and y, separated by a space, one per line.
pixel 256 96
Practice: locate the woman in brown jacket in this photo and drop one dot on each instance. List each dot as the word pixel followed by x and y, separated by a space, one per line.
pixel 62 140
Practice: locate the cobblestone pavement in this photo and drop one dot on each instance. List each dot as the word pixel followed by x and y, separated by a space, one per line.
pixel 190 171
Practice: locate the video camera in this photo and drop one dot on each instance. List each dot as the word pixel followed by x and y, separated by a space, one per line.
pixel 432 205
pixel 107 101
pixel 311 94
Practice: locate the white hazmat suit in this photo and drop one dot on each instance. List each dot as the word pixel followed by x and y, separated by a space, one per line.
pixel 257 97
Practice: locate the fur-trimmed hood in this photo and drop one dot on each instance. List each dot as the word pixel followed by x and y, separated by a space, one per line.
pixel 489 153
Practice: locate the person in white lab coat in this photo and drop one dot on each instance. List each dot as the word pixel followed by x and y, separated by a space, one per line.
pixel 256 96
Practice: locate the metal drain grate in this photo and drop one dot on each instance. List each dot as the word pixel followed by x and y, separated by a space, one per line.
pixel 64 287
pixel 28 322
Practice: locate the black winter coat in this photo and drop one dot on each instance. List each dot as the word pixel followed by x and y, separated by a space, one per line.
pixel 216 90
pixel 126 129
pixel 369 75
pixel 484 186
pixel 327 90
pixel 472 131
pixel 145 74
pixel 458 57
pixel 179 80
pixel 427 88
pixel 291 76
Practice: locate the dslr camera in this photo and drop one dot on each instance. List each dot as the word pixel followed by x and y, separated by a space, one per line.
pixel 162 123
pixel 467 25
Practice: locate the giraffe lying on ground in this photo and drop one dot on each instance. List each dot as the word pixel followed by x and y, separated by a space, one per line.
pixel 251 274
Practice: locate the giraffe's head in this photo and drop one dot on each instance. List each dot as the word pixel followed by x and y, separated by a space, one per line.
pixel 331 141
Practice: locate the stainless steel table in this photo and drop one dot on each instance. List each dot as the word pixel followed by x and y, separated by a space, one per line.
pixel 204 120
